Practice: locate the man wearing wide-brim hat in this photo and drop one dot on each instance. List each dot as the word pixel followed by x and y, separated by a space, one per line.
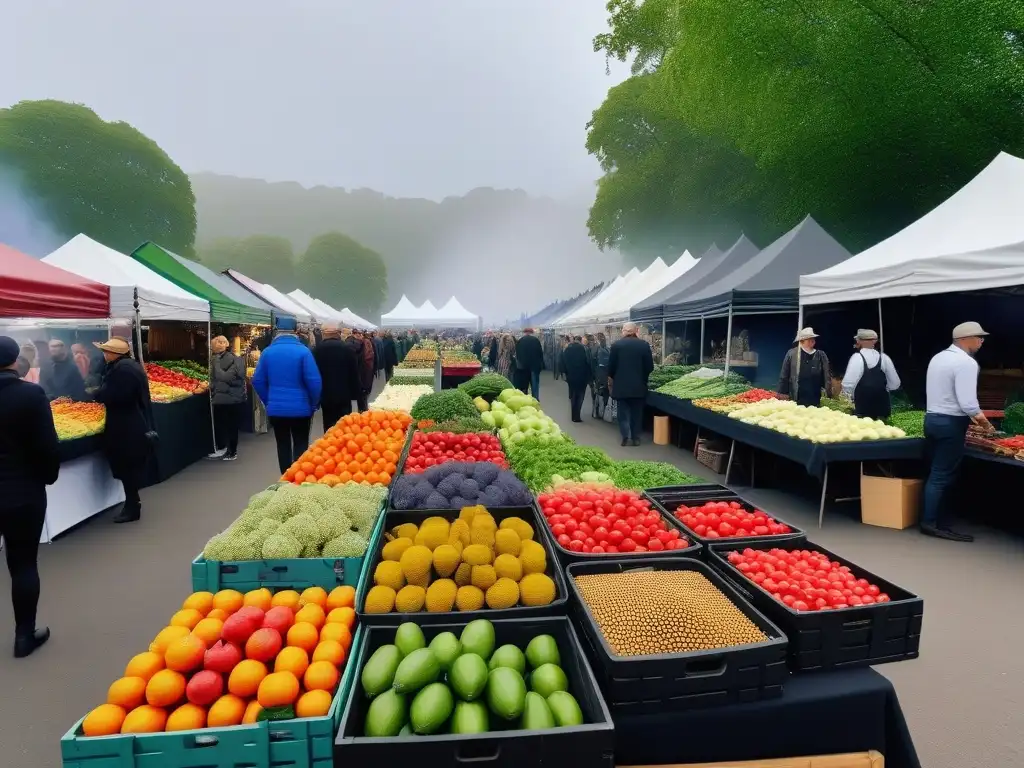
pixel 805 371
pixel 951 385
pixel 870 377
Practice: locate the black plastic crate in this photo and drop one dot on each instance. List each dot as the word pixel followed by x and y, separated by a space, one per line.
pixel 591 745
pixel 650 684
pixel 857 636
pixel 394 518
pixel 567 556
pixel 667 499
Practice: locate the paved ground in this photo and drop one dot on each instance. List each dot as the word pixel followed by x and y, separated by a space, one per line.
pixel 108 589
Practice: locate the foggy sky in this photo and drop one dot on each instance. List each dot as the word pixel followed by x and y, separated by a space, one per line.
pixel 420 98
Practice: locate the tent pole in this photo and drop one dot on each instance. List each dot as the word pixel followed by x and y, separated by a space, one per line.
pixel 209 391
pixel 800 318
pixel 138 327
pixel 881 339
pixel 728 341
pixel 700 357
pixel 664 340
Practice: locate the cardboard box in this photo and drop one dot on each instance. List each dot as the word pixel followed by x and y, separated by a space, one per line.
pixel 858 760
pixel 890 502
pixel 661 430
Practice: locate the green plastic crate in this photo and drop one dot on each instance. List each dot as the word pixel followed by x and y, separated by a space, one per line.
pixel 293 573
pixel 299 743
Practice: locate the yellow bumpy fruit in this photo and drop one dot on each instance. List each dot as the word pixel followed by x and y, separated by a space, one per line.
pixel 415 563
pixel 410 599
pixel 405 531
pixel 481 530
pixel 446 560
pixel 507 542
pixel 520 526
pixel 393 549
pixel 388 573
pixel 533 557
pixel 483 576
pixel 441 595
pixel 459 532
pixel 468 513
pixel 508 567
pixel 380 600
pixel 503 594
pixel 432 534
pixel 463 574
pixel 536 589
pixel 477 554
pixel 469 598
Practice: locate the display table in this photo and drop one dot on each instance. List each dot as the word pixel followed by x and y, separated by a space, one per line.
pixel 828 713
pixel 74 449
pixel 84 488
pixel 186 435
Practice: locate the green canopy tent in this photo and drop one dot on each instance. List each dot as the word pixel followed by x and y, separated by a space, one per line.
pixel 229 302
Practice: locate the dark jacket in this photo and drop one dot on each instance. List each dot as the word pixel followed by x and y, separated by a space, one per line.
pixel 478 347
pixel 529 354
pixel 287 380
pixel 630 362
pixel 29 458
pixel 339 372
pixel 789 378
pixel 492 353
pixel 125 392
pixel 228 373
pixel 61 378
pixel 366 364
pixel 576 365
pixel 390 352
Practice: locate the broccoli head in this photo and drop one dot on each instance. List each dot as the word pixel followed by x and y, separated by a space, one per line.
pixel 331 525
pixel 349 544
pixel 280 546
pixel 260 500
pixel 303 528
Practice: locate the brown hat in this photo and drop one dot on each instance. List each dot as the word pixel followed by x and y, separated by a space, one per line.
pixel 116 345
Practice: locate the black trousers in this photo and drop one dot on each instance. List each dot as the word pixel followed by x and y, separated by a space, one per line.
pixel 292 436
pixel 631 416
pixel 576 394
pixel 20 528
pixel 226 418
pixel 389 371
pixel 331 413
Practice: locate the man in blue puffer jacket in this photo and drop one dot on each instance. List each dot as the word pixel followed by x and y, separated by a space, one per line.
pixel 288 382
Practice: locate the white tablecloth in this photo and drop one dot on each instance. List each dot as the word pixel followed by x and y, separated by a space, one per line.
pixel 84 488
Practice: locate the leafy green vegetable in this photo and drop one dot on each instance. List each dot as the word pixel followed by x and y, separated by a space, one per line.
pixel 639 475
pixel 485 384
pixel 1013 420
pixel 447 405
pixel 691 388
pixel 413 380
pixel 840 404
pixel 536 462
pixel 663 374
pixel 911 422
pixel 458 426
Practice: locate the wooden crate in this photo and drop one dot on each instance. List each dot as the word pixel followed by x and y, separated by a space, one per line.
pixel 859 760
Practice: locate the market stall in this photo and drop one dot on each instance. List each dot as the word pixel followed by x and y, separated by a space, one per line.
pixel 268 293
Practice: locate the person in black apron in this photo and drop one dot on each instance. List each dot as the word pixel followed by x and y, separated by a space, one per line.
pixel 805 371
pixel 870 377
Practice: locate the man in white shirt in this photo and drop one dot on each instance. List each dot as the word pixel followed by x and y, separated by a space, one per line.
pixel 952 391
pixel 870 377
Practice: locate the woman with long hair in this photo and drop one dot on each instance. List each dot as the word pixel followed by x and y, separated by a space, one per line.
pixel 506 362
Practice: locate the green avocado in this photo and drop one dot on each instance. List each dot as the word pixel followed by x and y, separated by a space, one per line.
pixel 536 713
pixel 431 708
pixel 379 671
pixel 416 670
pixel 386 715
pixel 506 693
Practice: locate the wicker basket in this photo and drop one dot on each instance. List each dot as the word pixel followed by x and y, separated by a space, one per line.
pixel 711 458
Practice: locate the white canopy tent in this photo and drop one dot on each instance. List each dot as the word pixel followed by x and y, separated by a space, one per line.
pixel 305 301
pixel 271 295
pixel 357 321
pixel 664 278
pixel 405 313
pixel 973 241
pixel 581 315
pixel 560 321
pixel 455 315
pixel 158 297
pixel 617 304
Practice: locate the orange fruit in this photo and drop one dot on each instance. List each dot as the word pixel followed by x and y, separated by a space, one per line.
pixel 303 635
pixel 252 711
pixel 165 637
pixel 185 654
pixel 187 717
pixel 227 710
pixel 317 595
pixel 229 600
pixel 278 689
pixel 300 477
pixel 345 615
pixel 261 598
pixel 186 617
pixel 311 613
pixel 340 597
pixel 329 650
pixel 165 688
pixel 218 613
pixel 127 693
pixel 313 704
pixel 337 632
pixel 144 665
pixel 292 659
pixel 200 601
pixel 287 597
pixel 246 677
pixel 144 719
pixel 321 676
pixel 104 720
pixel 208 630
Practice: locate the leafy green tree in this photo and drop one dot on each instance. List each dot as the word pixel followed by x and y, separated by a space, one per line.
pixel 344 273
pixel 267 258
pixel 219 254
pixel 105 179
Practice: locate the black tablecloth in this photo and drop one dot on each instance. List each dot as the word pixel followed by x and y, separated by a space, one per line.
pixel 185 436
pixel 76 449
pixel 974 453
pixel 813 456
pixel 820 714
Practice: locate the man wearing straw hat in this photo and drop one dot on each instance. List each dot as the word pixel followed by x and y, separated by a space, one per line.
pixel 805 371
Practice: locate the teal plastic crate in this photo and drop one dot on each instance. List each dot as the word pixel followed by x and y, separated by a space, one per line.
pixel 293 573
pixel 300 743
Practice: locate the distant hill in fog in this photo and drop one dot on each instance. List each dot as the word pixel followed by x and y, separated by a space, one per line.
pixel 502 252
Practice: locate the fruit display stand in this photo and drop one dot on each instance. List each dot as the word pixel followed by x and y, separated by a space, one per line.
pixel 84 488
pixel 590 745
pixel 645 684
pixel 186 436
pixel 392 519
pixel 860 635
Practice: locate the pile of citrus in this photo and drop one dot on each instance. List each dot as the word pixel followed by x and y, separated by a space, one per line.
pixel 360 448
pixel 227 659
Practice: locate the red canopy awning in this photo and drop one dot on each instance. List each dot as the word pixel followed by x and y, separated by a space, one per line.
pixel 31 288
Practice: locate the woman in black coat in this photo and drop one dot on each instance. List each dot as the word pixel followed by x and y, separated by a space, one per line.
pixel 29 461
pixel 575 365
pixel 126 437
pixel 390 356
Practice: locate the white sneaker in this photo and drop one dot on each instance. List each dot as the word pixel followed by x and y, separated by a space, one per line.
pixel 217 454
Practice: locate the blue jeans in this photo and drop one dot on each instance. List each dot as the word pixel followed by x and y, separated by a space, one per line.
pixel 535 384
pixel 630 413
pixel 944 446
